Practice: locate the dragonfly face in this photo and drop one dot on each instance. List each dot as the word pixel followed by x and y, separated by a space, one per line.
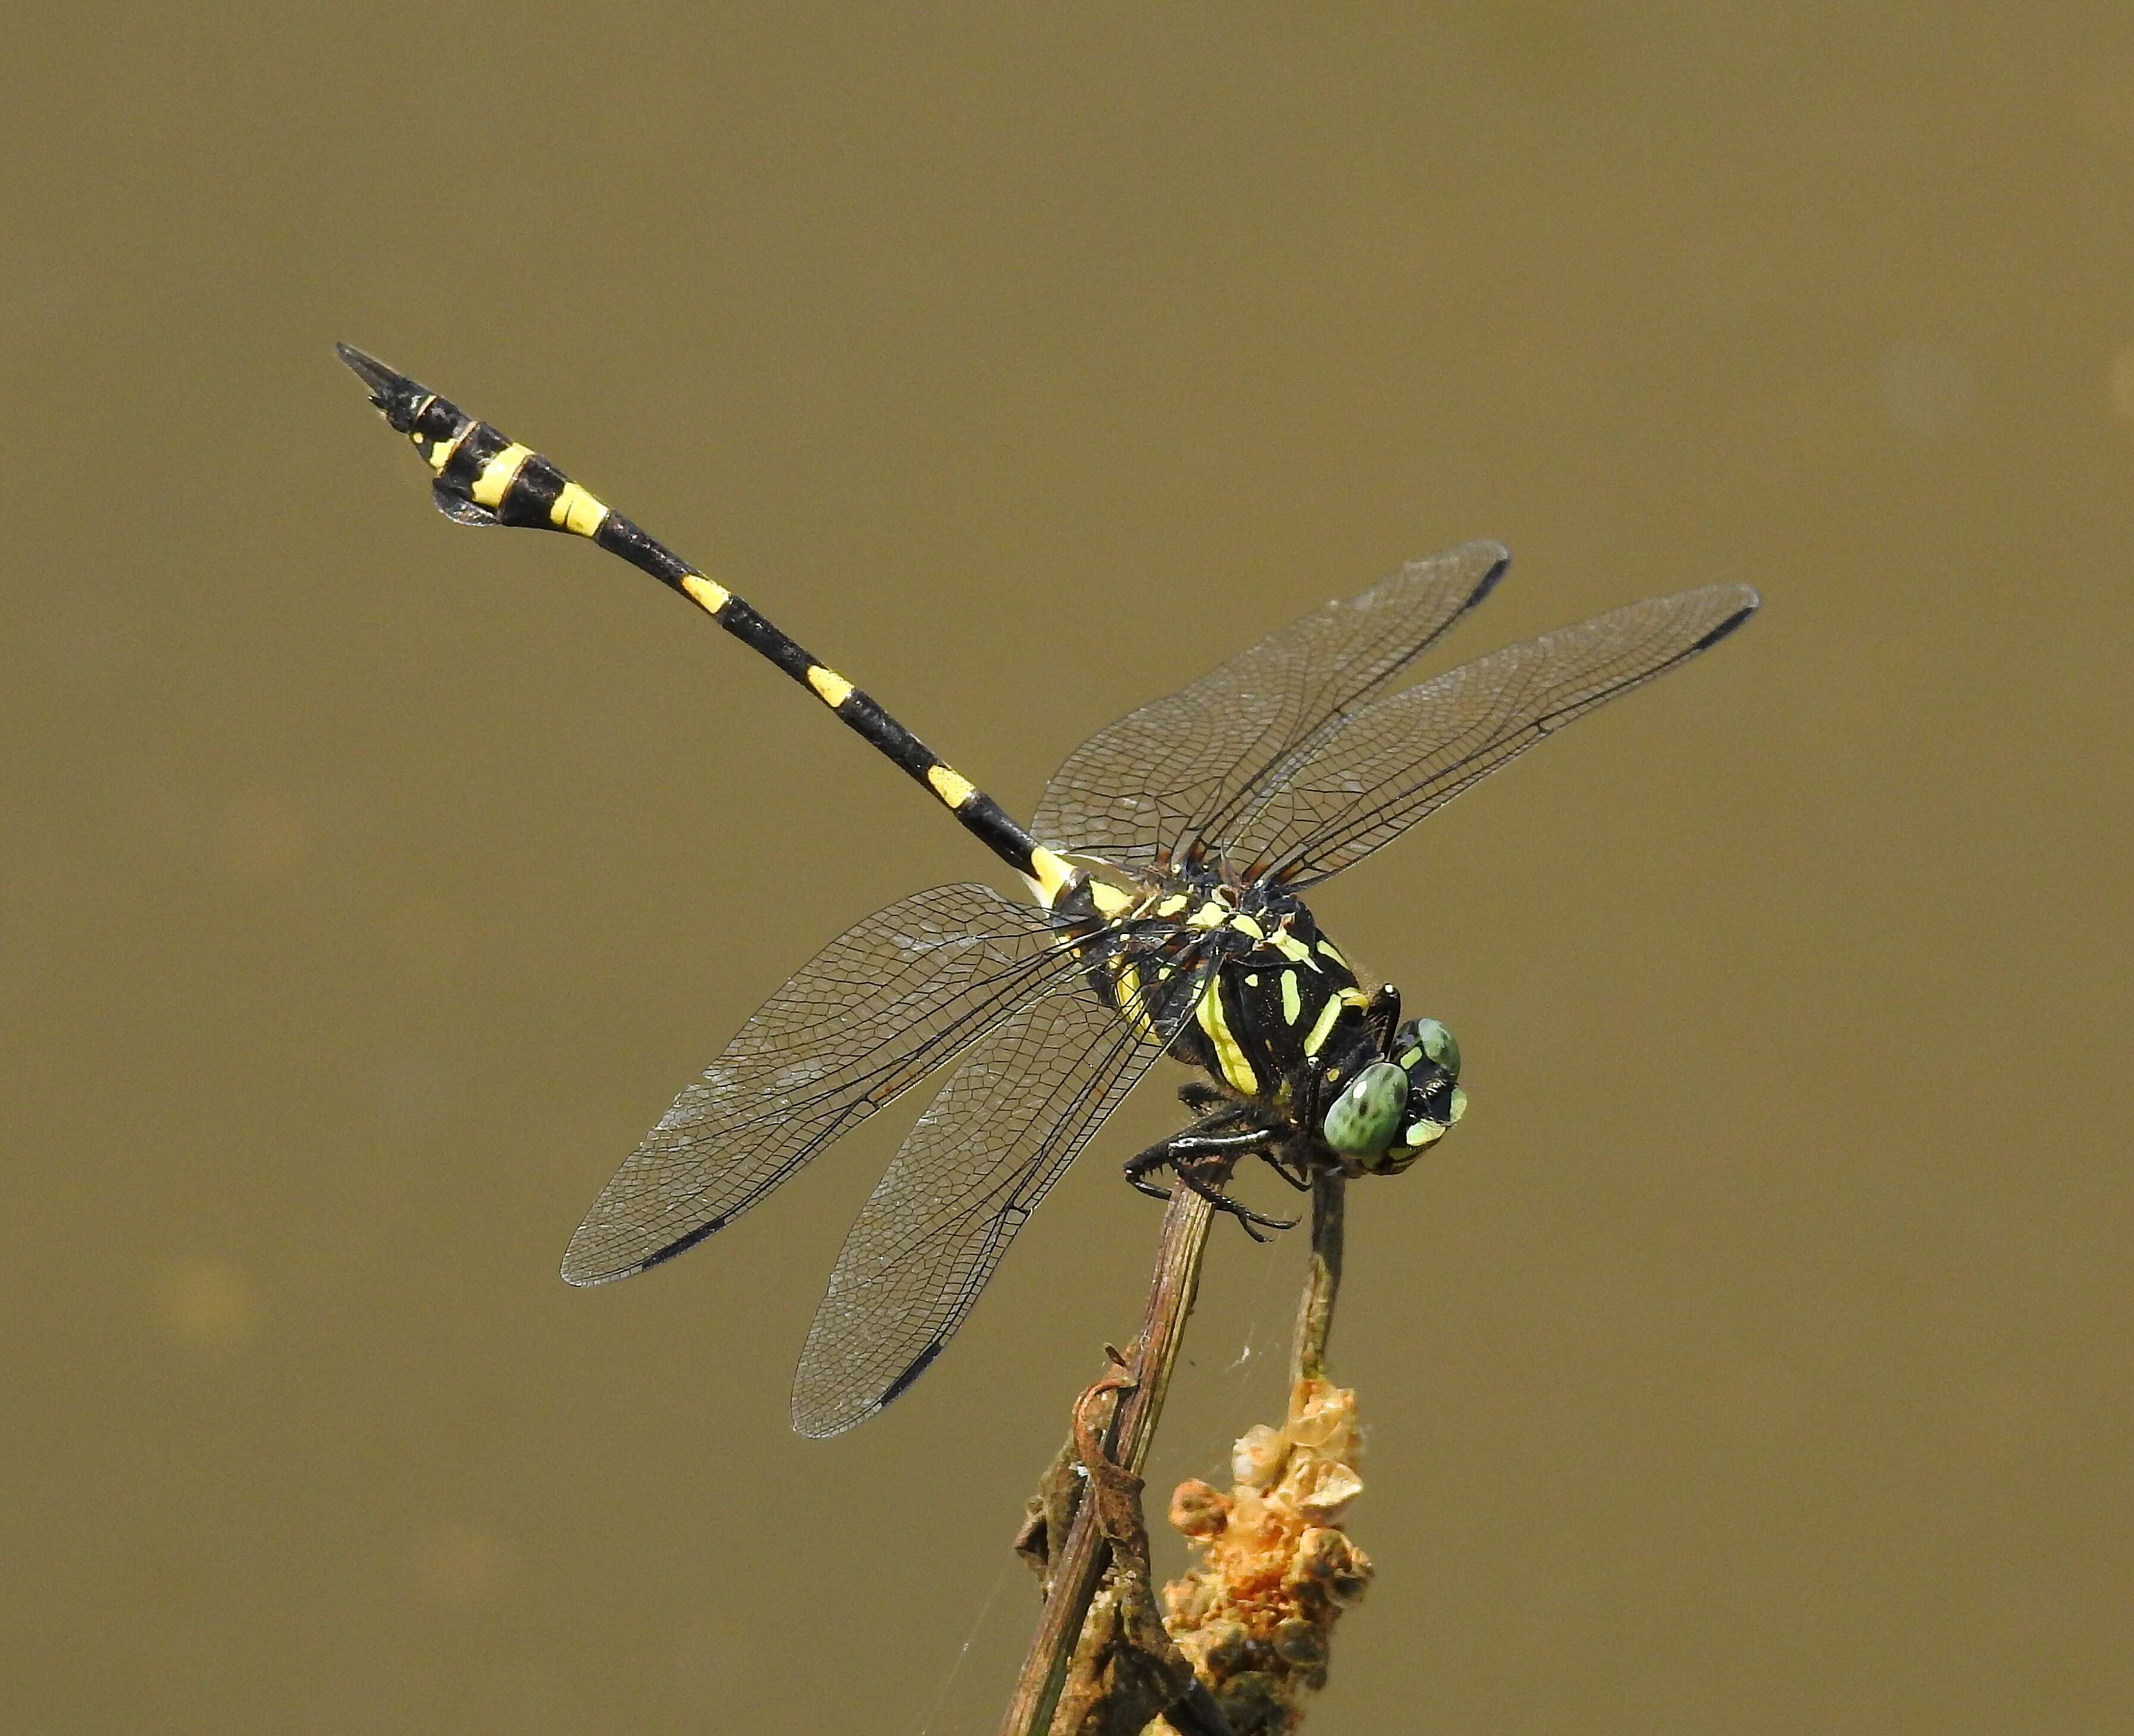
pixel 1430 1099
pixel 1202 816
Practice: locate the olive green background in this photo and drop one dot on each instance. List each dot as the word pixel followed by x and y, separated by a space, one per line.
pixel 1755 1357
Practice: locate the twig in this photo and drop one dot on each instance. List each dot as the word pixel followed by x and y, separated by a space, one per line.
pixel 1077 1567
pixel 1322 1279
pixel 1255 1615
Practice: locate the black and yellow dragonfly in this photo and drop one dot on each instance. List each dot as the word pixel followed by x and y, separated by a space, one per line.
pixel 1167 859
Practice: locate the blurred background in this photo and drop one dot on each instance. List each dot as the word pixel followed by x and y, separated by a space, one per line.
pixel 1756 1356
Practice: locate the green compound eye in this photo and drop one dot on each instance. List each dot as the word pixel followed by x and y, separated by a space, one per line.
pixel 1367 1114
pixel 1439 1043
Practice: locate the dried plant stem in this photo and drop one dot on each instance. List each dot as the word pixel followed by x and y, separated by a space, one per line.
pixel 1254 1616
pixel 1078 1566
pixel 1322 1279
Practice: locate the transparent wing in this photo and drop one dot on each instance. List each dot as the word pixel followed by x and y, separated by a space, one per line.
pixel 1182 767
pixel 1388 765
pixel 989 1147
pixel 879 1008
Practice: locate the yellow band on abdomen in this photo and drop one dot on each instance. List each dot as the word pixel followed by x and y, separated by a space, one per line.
pixel 951 787
pixel 576 511
pixel 831 688
pixel 489 487
pixel 708 594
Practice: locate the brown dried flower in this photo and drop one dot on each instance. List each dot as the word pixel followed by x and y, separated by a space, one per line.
pixel 1256 1616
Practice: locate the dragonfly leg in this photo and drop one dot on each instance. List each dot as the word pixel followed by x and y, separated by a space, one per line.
pixel 1203 1147
pixel 1161 1155
pixel 1382 1018
pixel 1189 1172
pixel 1196 1144
pixel 1226 1112
pixel 1311 1098
pixel 1138 1168
pixel 1291 1169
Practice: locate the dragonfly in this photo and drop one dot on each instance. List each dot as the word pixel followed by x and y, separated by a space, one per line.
pixel 1167 861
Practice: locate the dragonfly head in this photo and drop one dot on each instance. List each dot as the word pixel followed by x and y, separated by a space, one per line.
pixel 1394 1110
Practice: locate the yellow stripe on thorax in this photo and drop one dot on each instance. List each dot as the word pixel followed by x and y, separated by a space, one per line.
pixel 1290 947
pixel 1132 1003
pixel 1229 1058
pixel 1316 1038
pixel 1110 900
pixel 489 487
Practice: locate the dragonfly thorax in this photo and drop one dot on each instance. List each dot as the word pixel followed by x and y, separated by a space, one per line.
pixel 1254 995
pixel 1251 991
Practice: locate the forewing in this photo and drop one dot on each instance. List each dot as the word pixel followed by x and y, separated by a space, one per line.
pixel 1413 752
pixel 879 1008
pixel 989 1147
pixel 1181 766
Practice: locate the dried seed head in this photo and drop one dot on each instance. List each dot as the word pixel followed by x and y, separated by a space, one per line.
pixel 1187 1604
pixel 1329 1492
pixel 1226 1646
pixel 1346 1590
pixel 1256 1459
pixel 1298 1641
pixel 1255 1616
pixel 1253 1702
pixel 1322 1417
pixel 1322 1553
pixel 1198 1510
pixel 1250 1516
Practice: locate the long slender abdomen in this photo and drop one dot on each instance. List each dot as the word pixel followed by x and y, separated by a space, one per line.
pixel 482 476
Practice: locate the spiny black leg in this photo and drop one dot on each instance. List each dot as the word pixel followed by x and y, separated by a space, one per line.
pixel 1187 1154
pixel 1293 1163
pixel 1167 1153
pixel 1138 1167
pixel 1226 1112
pixel 1382 1018
pixel 1291 1170
pixel 1196 1144
pixel 1312 1096
pixel 1200 1098
pixel 1189 1173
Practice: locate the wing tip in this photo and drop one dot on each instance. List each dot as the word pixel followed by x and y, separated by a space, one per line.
pixel 818 1428
pixel 1746 602
pixel 1500 562
pixel 587 1262
pixel 825 1423
pixel 581 1272
pixel 1487 552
